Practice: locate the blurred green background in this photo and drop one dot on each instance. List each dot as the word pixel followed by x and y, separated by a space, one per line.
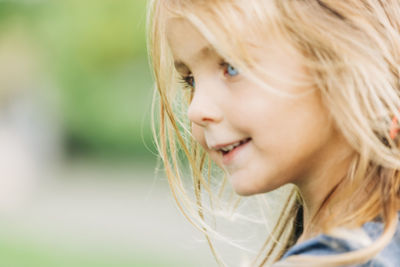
pixel 95 54
pixel 78 185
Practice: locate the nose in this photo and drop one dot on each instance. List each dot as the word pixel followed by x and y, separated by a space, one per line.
pixel 204 108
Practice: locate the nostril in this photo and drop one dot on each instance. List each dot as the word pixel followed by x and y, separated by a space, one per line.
pixel 197 116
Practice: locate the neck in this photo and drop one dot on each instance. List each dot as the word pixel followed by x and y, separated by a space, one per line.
pixel 320 184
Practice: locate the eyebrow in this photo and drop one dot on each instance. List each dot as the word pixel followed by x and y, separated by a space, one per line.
pixel 180 66
pixel 204 52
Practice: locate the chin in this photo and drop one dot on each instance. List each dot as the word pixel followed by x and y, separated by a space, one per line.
pixel 244 192
pixel 245 187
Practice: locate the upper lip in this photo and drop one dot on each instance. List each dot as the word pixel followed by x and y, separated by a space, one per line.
pixel 219 146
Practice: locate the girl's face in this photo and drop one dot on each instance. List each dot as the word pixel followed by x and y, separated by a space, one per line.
pixel 262 139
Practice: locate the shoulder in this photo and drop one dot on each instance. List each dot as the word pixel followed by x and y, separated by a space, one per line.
pixel 344 240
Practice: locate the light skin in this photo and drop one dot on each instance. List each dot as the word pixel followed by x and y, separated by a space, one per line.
pixel 285 140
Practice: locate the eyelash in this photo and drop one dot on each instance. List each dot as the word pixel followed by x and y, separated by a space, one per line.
pixel 189 82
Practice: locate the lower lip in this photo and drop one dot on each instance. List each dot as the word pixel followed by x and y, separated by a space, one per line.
pixel 229 157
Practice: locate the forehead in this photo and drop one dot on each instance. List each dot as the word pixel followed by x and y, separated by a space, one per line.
pixel 186 42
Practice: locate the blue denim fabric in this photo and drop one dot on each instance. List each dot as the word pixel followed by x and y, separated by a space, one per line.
pixel 329 245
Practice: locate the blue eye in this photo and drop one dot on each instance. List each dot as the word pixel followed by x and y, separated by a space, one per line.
pixel 230 70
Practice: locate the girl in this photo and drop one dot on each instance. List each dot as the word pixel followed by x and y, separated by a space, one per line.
pixel 299 92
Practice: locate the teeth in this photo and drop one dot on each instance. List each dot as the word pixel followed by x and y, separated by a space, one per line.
pixel 230 147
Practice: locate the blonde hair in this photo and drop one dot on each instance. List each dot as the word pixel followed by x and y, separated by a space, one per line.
pixel 351 50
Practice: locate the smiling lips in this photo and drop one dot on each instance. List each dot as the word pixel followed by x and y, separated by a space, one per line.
pixel 225 149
